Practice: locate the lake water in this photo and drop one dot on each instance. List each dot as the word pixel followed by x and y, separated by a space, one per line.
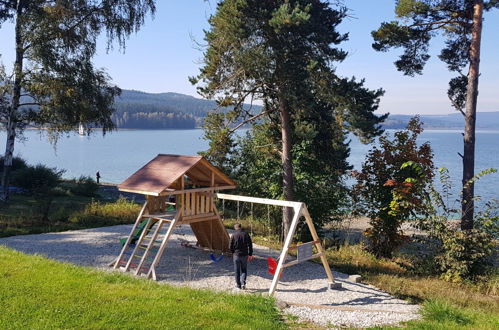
pixel 120 153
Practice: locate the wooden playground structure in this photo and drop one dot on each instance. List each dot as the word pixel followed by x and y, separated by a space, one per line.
pixel 182 190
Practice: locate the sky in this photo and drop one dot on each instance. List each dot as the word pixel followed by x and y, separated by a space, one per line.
pixel 166 51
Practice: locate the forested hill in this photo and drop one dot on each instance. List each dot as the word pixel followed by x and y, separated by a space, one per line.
pixel 484 121
pixel 142 110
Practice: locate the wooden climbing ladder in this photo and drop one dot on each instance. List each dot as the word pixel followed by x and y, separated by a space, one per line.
pixel 143 256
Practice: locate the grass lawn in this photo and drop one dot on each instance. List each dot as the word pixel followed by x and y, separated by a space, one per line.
pixel 38 293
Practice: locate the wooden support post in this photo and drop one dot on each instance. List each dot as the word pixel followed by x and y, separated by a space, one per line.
pixel 182 196
pixel 315 237
pixel 298 210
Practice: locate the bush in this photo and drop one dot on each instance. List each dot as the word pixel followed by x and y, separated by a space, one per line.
pixel 391 186
pixel 37 179
pixel 456 255
pixel 465 254
pixel 84 186
pixel 40 181
pixel 96 213
pixel 17 163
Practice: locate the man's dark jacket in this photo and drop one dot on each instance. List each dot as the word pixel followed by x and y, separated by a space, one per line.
pixel 240 244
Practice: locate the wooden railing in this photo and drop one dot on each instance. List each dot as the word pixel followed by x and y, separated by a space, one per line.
pixel 195 203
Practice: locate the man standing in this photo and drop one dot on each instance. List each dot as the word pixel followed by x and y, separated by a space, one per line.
pixel 242 251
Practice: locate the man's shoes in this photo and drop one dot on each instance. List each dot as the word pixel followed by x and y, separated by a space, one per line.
pixel 243 287
pixel 237 287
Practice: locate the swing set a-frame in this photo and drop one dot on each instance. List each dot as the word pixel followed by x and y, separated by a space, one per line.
pixel 182 190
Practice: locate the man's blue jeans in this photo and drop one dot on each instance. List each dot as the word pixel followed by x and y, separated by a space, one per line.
pixel 240 269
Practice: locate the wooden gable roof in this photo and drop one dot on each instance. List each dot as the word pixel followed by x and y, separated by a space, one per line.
pixel 163 171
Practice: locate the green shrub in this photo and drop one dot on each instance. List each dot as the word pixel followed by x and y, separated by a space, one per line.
pixel 84 186
pixel 17 163
pixel 37 179
pixel 457 255
pixel 465 254
pixel 97 213
pixel 390 188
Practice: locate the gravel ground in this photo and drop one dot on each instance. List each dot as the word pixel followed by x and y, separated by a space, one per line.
pixel 302 287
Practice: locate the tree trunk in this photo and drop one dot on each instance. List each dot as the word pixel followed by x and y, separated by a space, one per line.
pixel 467 203
pixel 287 165
pixel 16 97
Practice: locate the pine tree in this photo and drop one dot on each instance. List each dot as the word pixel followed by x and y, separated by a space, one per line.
pixel 281 53
pixel 460 22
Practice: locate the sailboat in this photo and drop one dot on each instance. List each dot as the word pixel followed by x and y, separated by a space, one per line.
pixel 81 129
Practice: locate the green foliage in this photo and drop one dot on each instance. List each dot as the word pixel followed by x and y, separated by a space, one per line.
pixel 390 188
pixel 457 255
pixel 465 254
pixel 39 294
pixel 55 43
pixel 97 213
pixel 283 54
pixel 38 179
pixel 18 163
pixel 84 186
pixel 421 20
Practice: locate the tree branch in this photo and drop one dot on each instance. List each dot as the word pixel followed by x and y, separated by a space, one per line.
pixel 29 103
pixel 248 120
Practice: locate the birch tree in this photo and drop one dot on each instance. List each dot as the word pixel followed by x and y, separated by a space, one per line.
pixel 53 82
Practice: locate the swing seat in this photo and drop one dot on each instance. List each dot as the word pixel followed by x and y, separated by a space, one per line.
pixel 272 265
pixel 215 259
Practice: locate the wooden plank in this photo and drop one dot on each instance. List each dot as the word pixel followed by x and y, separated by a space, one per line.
pixel 295 262
pixel 188 206
pixel 159 215
pixel 294 247
pixel 258 200
pixel 148 193
pixel 199 215
pixel 182 196
pixel 182 190
pixel 139 219
pixel 201 208
pixel 195 203
pixel 189 221
pixel 284 253
pixel 212 184
pixel 311 227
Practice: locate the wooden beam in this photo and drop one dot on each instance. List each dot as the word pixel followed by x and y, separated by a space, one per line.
pixel 189 221
pixel 203 215
pixel 295 262
pixel 258 200
pixel 140 192
pixel 284 253
pixel 311 227
pixel 207 189
pixel 296 246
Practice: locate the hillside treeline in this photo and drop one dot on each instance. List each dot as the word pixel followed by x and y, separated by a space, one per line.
pixel 153 120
